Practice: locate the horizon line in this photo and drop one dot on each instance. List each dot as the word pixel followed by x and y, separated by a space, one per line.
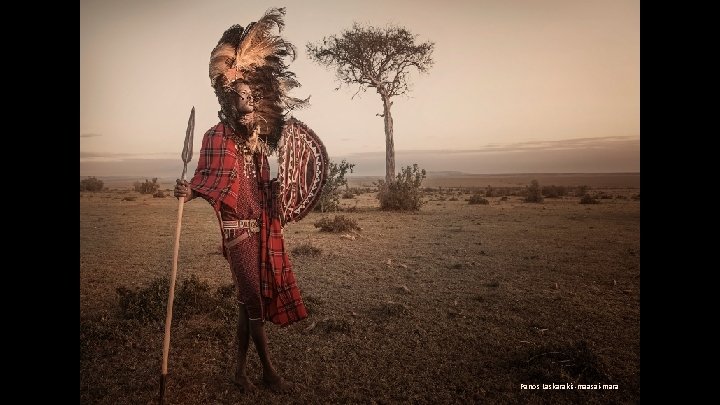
pixel 381 175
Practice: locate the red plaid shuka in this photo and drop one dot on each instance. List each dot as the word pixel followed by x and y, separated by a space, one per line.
pixel 277 280
pixel 215 179
pixel 216 168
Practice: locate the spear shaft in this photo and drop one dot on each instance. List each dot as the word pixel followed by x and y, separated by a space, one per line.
pixel 186 157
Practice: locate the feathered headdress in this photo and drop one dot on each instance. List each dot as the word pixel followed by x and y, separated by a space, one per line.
pixel 254 55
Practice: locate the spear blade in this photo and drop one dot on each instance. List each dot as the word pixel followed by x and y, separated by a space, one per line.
pixel 187 151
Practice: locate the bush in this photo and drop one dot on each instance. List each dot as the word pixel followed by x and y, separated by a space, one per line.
pixel 581 190
pixel 330 195
pixel 533 193
pixel 159 194
pixel 489 191
pixel 91 184
pixel 340 223
pixel 147 187
pixel 192 296
pixel 306 249
pixel 554 191
pixel 405 193
pixel 588 199
pixel 477 198
pixel 146 304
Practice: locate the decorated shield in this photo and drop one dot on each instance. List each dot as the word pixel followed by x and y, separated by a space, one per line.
pixel 302 170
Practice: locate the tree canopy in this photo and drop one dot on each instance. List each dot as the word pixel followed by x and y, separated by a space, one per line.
pixel 374 57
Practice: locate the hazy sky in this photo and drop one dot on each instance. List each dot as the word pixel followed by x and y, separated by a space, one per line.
pixel 517 85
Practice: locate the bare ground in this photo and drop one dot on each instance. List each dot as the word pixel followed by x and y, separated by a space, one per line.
pixel 456 303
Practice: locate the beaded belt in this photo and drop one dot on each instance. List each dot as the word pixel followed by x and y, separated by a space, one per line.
pixel 231 228
pixel 250 224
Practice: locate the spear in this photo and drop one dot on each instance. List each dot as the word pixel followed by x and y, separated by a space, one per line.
pixel 186 157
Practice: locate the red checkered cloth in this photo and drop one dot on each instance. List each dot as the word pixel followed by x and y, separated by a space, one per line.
pixel 284 305
pixel 216 172
pixel 277 280
pixel 215 178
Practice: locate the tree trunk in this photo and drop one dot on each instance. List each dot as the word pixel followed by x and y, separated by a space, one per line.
pixel 389 143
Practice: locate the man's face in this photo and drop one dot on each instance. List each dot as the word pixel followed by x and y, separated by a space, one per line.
pixel 244 100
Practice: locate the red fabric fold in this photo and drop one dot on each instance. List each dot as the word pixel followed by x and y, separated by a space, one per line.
pixel 284 305
pixel 216 170
pixel 216 180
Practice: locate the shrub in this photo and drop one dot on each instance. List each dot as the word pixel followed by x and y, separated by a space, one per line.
pixel 330 195
pixel 554 191
pixel 489 191
pixel 497 191
pixel 588 199
pixel 147 187
pixel 146 304
pixel 357 190
pixel 91 184
pixel 477 198
pixel 577 361
pixel 581 190
pixel 340 223
pixel 159 194
pixel 192 296
pixel 306 249
pixel 533 193
pixel 405 193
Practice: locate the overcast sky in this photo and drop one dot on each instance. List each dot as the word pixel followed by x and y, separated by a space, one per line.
pixel 517 85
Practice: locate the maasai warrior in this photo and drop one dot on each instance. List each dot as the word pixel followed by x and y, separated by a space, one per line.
pixel 251 82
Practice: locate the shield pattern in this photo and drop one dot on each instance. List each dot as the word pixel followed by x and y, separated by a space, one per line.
pixel 302 170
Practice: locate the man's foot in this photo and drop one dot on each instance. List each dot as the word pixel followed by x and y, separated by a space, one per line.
pixel 278 384
pixel 243 382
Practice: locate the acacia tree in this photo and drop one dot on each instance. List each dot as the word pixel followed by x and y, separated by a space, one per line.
pixel 377 58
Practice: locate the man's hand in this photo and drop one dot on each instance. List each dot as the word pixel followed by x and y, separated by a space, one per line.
pixel 182 190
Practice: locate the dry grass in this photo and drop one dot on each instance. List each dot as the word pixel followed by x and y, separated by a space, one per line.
pixel 451 304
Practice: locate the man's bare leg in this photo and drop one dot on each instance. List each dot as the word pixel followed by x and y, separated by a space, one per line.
pixel 270 375
pixel 243 340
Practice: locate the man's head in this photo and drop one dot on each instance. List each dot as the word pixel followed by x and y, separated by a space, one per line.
pixel 253 56
pixel 244 99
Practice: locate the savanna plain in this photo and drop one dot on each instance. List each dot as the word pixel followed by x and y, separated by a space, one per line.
pixel 455 303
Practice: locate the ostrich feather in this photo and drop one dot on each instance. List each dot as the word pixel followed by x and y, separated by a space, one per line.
pixel 260 47
pixel 256 55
